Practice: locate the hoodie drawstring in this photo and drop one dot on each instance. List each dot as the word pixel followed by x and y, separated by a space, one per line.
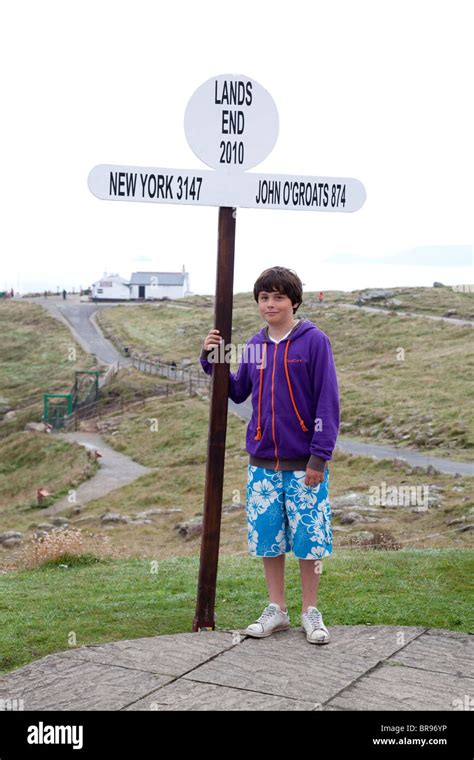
pixel 301 421
pixel 258 435
pixel 259 429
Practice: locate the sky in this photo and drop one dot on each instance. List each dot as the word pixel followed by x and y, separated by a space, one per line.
pixel 378 91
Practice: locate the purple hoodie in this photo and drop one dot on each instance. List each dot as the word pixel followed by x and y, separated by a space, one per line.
pixel 295 397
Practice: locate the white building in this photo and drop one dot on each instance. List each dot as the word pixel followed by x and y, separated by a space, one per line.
pixel 149 285
pixel 142 286
pixel 111 287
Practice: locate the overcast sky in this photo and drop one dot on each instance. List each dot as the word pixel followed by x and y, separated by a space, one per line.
pixel 379 91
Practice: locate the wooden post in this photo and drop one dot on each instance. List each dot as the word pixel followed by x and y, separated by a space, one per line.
pixel 206 592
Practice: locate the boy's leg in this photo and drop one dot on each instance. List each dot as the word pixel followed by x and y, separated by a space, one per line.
pixel 275 577
pixel 310 571
pixel 267 528
pixel 309 516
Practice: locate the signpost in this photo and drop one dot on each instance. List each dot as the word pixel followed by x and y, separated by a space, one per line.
pixel 231 124
pixel 205 188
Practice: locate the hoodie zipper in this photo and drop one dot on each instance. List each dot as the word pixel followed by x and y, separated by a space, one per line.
pixel 258 435
pixel 273 407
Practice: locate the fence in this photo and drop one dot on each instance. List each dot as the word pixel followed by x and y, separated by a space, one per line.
pixel 156 366
pixel 109 374
pixel 195 382
pixel 103 407
pixel 194 379
pixel 94 405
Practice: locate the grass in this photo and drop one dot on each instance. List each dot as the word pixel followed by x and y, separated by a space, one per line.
pixel 414 371
pixel 432 301
pixel 32 460
pixel 178 451
pixel 94 602
pixel 39 355
pixel 176 448
pixel 129 384
pixel 421 400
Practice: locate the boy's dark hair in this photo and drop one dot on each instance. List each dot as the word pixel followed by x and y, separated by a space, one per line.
pixel 285 281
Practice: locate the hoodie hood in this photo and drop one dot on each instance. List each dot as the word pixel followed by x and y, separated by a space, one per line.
pixel 299 329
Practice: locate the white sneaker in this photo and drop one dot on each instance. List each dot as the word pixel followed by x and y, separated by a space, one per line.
pixel 272 619
pixel 312 623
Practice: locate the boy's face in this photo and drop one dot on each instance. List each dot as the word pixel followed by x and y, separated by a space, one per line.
pixel 276 308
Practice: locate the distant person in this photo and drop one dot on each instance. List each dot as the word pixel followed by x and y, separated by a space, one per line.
pixel 290 438
pixel 64 295
pixel 321 297
pixel 45 293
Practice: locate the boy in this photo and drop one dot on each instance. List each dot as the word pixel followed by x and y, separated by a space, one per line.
pixel 288 367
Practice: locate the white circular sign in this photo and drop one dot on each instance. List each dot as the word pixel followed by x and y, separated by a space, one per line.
pixel 231 122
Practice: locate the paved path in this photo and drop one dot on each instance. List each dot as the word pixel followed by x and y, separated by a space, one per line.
pixel 362 668
pixel 412 456
pixel 116 470
pixel 79 317
pixel 386 310
pixel 379 451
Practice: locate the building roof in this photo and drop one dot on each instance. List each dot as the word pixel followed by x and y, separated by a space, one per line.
pixel 113 278
pixel 163 278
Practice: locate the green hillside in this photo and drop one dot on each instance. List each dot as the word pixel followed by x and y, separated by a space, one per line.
pixel 403 380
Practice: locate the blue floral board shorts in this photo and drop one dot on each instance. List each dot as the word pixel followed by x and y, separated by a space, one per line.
pixel 284 514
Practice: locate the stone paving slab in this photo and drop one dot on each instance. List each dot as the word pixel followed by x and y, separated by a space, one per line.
pixel 59 683
pixel 190 695
pixel 288 666
pixel 172 655
pixel 372 640
pixel 362 668
pixel 397 687
pixel 436 653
